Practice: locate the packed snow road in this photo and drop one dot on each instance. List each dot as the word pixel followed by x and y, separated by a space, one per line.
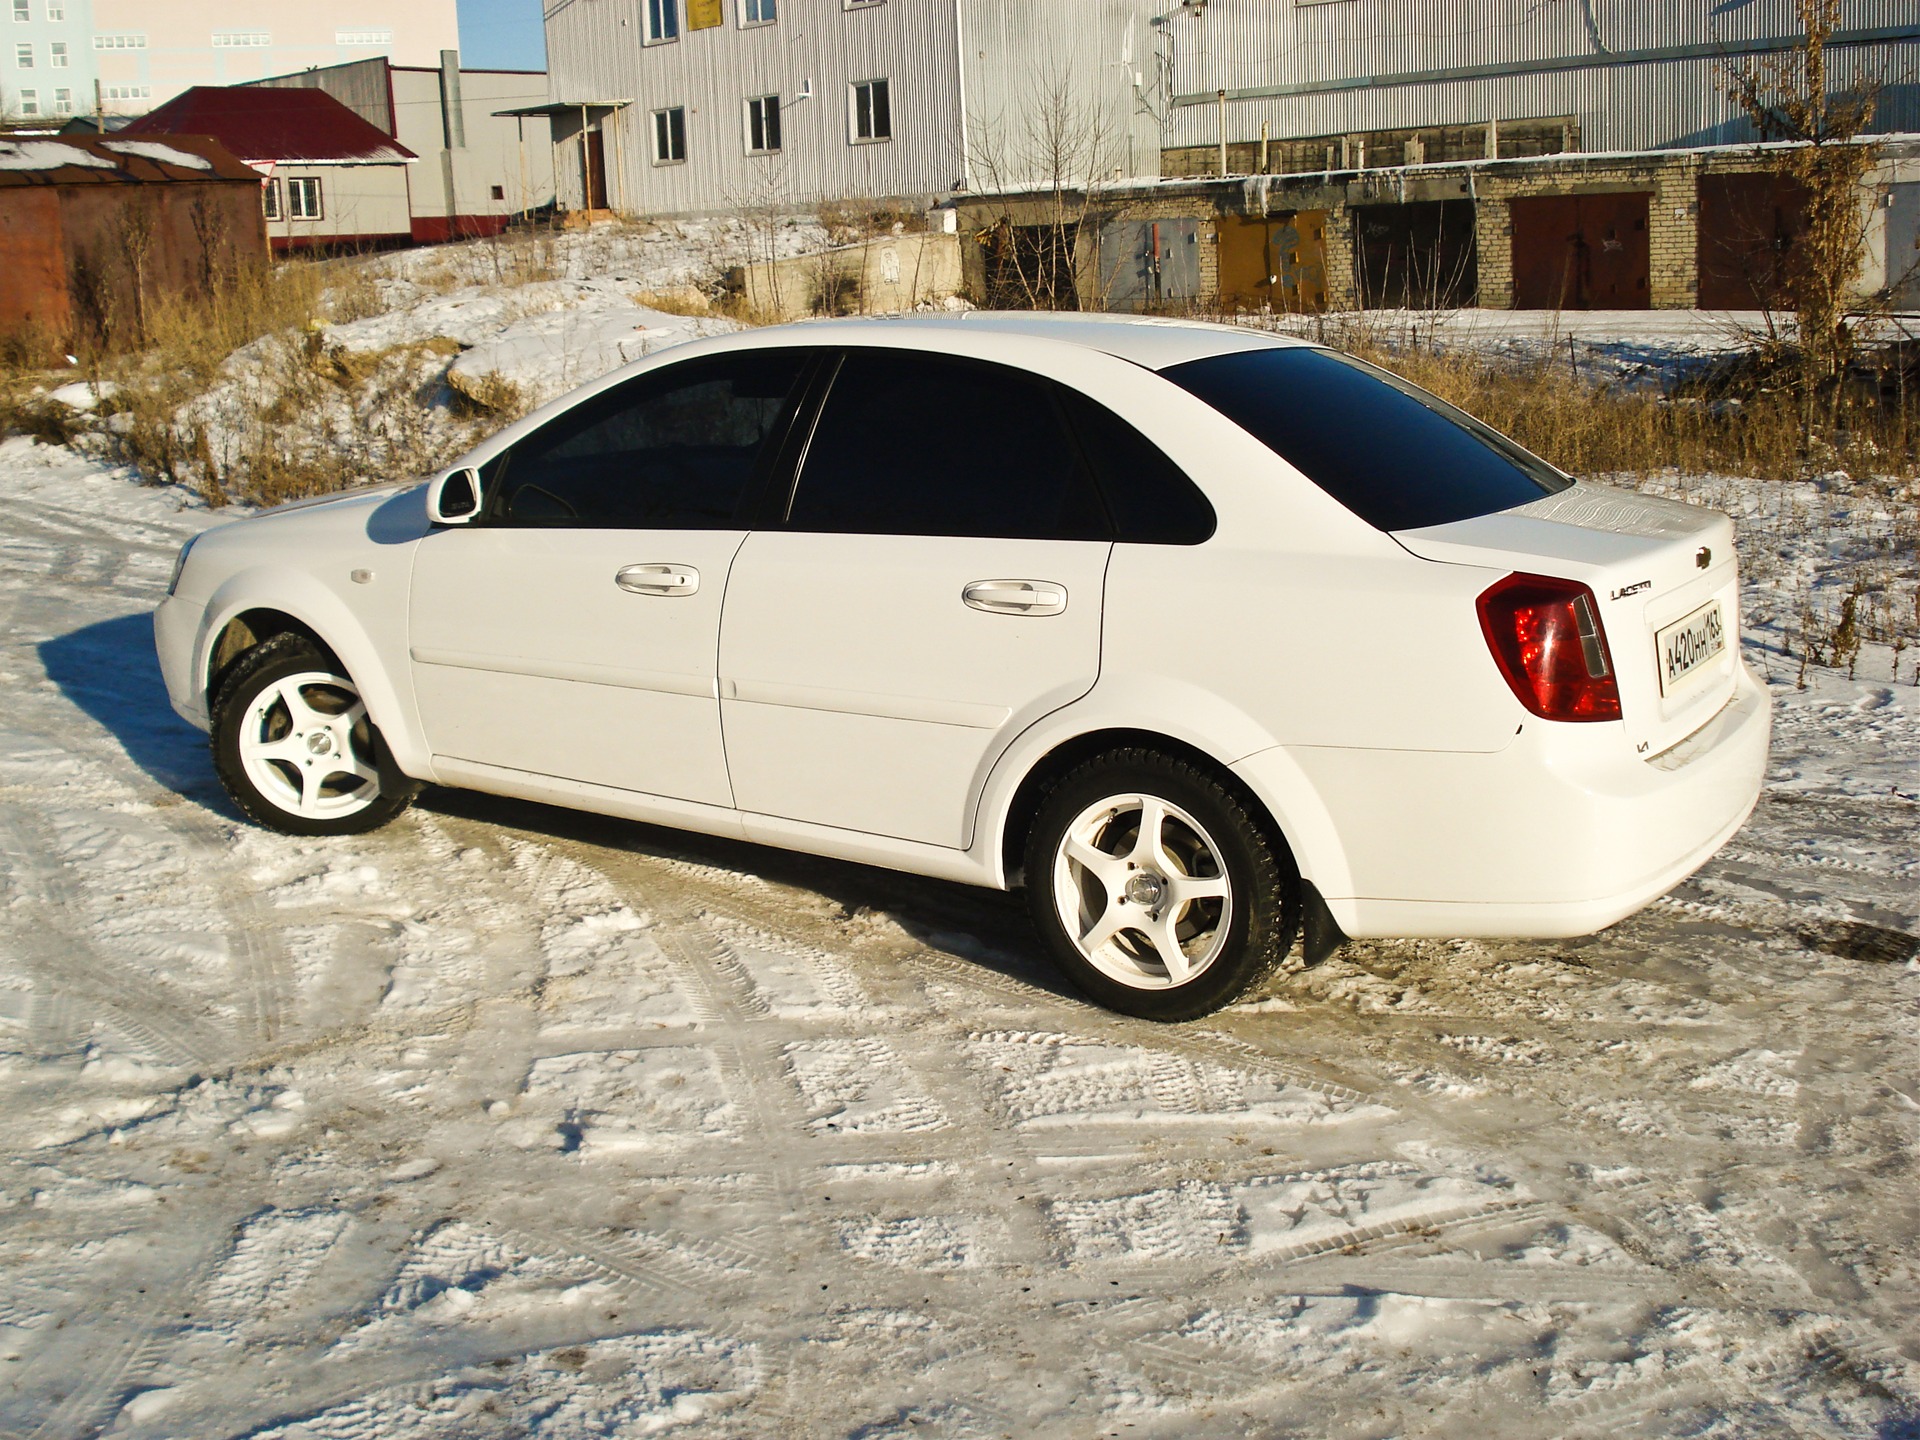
pixel 508 1121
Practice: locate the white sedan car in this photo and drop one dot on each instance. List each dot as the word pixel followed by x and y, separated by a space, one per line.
pixel 1210 638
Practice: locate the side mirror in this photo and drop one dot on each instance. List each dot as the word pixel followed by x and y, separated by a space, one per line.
pixel 454 499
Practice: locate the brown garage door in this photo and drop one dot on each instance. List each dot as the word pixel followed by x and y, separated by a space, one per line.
pixel 1276 261
pixel 1580 252
pixel 1749 227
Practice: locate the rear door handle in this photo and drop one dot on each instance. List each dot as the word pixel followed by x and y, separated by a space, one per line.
pixel 1016 597
pixel 658 579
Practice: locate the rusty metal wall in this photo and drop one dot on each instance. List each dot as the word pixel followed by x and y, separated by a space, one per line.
pixel 1357 65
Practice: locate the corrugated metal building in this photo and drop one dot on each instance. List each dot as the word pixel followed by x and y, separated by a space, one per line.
pixel 478 167
pixel 93 228
pixel 332 179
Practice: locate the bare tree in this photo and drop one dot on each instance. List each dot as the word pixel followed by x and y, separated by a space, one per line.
pixel 1791 96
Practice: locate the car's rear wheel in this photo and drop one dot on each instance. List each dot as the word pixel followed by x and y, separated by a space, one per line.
pixel 1156 888
pixel 294 746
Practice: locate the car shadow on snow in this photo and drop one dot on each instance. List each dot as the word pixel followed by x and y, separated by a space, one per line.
pixel 987 928
pixel 109 671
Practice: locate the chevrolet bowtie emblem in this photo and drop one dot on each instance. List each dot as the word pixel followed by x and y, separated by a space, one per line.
pixel 1704 558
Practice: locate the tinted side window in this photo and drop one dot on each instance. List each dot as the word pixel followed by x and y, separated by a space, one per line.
pixel 911 444
pixel 1396 456
pixel 1152 500
pixel 673 450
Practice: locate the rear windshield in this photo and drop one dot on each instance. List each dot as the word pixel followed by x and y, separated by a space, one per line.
pixel 1396 456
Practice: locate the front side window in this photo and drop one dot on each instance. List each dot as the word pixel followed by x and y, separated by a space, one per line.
pixel 270 199
pixel 763 124
pixel 872 111
pixel 303 195
pixel 670 136
pixel 1396 456
pixel 676 449
pixel 757 12
pixel 663 20
pixel 885 458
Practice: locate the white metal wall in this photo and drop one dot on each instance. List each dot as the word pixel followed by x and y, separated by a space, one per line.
pixel 1351 65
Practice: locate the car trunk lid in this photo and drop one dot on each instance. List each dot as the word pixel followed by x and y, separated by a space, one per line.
pixel 1662 574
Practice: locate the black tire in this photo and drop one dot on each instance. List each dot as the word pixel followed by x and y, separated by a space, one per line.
pixel 1210 840
pixel 358 787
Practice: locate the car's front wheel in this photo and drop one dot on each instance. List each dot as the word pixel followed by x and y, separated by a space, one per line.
pixel 295 749
pixel 1156 888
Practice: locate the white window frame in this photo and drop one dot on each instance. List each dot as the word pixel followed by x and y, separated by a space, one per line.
pixel 125 40
pixel 23 10
pixel 242 40
pixel 853 111
pixel 57 58
pixel 299 186
pixel 660 24
pixel 357 39
pixel 769 13
pixel 56 10
pixel 23 55
pixel 63 101
pixel 660 141
pixel 748 114
pixel 29 103
pixel 270 198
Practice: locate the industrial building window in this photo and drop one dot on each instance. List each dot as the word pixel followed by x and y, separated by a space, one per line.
pixel 23 9
pixel 864 4
pixel 127 41
pixel 270 199
pixel 303 197
pixel 29 102
pixel 763 124
pixel 663 20
pixel 129 92
pixel 57 54
pixel 63 102
pixel 363 37
pixel 757 12
pixel 241 39
pixel 23 55
pixel 872 111
pixel 670 136
pixel 56 10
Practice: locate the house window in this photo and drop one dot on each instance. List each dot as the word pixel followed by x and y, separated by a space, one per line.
pixel 303 195
pixel 270 199
pixel 363 37
pixel 670 136
pixel 57 54
pixel 63 102
pixel 763 125
pixel 241 39
pixel 499 192
pixel 29 102
pixel 23 9
pixel 23 55
pixel 872 112
pixel 757 12
pixel 128 41
pixel 663 21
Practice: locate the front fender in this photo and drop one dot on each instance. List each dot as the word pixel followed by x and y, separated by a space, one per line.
pixel 345 631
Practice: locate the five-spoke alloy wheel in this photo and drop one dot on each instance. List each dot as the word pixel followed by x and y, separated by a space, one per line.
pixel 1155 887
pixel 294 746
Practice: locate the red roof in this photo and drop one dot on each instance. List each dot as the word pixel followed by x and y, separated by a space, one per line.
pixel 284 126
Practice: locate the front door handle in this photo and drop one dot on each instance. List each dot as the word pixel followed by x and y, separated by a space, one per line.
pixel 658 579
pixel 1016 597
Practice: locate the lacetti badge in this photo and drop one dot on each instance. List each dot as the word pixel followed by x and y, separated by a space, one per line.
pixel 1633 589
pixel 1688 644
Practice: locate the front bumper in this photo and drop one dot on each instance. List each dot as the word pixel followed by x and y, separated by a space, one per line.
pixel 176 639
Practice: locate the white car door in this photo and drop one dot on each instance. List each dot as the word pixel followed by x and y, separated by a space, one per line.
pixel 572 631
pixel 934 589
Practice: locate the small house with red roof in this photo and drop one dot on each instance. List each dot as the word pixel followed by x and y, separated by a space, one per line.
pixel 330 179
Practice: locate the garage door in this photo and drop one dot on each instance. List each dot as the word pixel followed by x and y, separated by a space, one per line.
pixel 1580 252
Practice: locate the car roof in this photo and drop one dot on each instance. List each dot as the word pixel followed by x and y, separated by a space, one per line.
pixel 1152 341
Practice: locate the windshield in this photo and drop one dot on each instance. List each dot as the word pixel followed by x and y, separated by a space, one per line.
pixel 1396 456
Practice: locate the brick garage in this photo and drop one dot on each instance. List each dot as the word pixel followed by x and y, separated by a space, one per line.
pixel 93 228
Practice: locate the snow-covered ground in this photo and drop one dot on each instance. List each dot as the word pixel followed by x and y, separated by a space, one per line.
pixel 508 1121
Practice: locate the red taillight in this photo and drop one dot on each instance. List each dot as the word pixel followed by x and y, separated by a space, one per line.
pixel 1546 638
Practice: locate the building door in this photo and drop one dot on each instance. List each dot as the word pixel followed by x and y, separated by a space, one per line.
pixel 593 159
pixel 1419 256
pixel 1750 226
pixel 1581 252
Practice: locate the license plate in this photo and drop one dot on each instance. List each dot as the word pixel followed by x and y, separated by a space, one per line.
pixel 1688 644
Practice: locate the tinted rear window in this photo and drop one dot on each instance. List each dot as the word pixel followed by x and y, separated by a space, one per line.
pixel 1396 456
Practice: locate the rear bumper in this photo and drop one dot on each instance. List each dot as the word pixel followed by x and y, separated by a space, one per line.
pixel 1562 833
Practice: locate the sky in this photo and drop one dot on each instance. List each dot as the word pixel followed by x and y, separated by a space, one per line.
pixel 502 34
